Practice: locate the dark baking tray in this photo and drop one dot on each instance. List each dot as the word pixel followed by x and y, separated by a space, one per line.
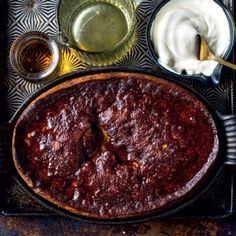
pixel 19 16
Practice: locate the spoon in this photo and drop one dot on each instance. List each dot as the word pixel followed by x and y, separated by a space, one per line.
pixel 206 54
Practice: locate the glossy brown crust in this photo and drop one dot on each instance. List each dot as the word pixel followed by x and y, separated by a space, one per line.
pixel 114 145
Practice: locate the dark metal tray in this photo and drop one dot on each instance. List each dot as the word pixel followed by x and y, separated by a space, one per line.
pixel 20 16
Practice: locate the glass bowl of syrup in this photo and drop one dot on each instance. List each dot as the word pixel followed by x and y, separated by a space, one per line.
pixel 101 31
pixel 35 57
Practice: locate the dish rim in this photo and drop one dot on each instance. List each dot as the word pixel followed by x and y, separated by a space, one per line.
pixel 188 198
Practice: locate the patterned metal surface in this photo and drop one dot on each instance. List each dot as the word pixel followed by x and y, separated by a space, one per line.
pixel 28 15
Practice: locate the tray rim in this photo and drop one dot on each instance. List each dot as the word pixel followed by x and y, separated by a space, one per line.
pixel 3 125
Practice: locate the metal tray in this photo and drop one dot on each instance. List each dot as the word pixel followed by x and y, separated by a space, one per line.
pixel 20 16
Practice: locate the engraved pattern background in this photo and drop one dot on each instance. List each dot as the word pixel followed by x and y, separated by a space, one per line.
pixel 28 15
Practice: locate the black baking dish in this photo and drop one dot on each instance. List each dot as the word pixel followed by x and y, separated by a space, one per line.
pixel 226 127
pixel 219 198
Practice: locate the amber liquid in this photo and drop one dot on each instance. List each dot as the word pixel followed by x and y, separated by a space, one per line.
pixel 35 57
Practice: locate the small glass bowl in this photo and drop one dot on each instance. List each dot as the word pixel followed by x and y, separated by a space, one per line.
pixel 213 79
pixel 67 9
pixel 35 57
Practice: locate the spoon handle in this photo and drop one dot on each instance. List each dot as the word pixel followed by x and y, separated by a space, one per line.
pixel 223 62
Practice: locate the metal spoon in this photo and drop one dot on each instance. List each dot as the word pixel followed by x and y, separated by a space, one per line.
pixel 206 54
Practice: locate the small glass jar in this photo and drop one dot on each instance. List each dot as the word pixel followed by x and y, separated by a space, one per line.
pixel 35 57
pixel 102 19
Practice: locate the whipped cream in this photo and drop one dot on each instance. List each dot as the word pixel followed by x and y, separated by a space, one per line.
pixel 174 34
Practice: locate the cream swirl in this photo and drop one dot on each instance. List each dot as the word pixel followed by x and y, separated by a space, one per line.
pixel 175 30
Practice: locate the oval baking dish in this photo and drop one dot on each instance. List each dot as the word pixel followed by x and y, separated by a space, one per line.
pixel 104 151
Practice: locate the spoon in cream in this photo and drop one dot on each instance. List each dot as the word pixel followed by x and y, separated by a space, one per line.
pixel 206 54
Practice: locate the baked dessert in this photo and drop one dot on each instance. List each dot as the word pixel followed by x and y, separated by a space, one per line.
pixel 115 145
